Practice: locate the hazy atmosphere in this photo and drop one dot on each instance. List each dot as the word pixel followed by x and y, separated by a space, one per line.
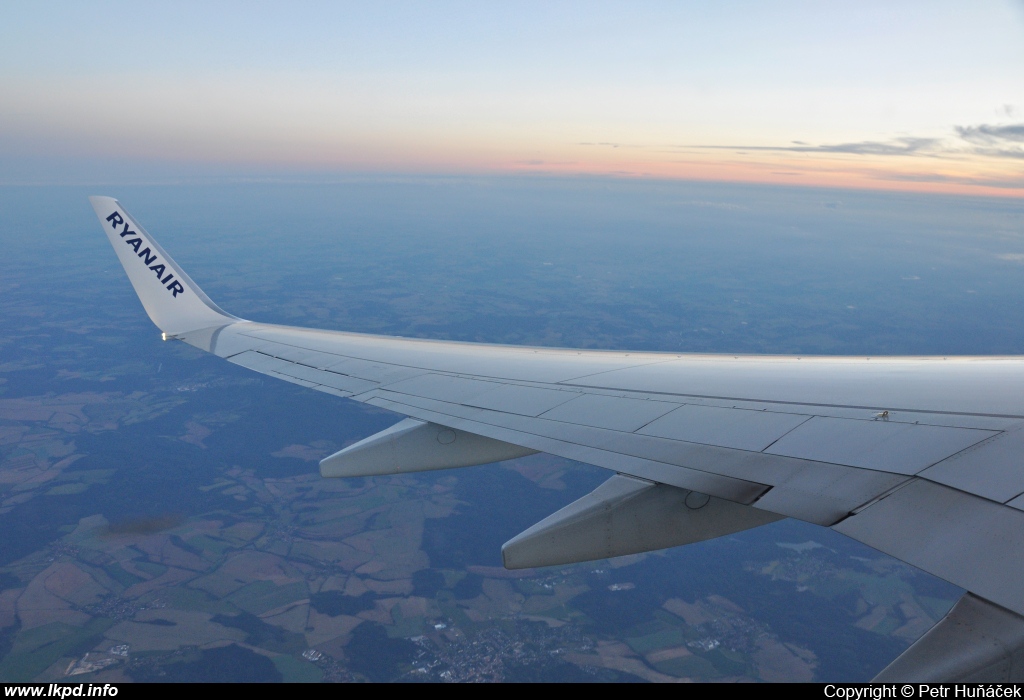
pixel 163 511
pixel 925 96
pixel 781 178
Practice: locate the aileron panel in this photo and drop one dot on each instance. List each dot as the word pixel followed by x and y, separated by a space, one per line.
pixel 901 448
pixel 967 540
pixel 737 428
pixel 993 469
pixel 609 412
pixel 522 400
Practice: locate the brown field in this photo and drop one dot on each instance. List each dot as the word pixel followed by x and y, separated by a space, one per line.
pixel 668 654
pixel 619 657
pixel 189 628
pixel 693 613
pixel 326 628
pixel 777 662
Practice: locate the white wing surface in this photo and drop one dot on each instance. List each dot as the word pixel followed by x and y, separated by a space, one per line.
pixel 919 457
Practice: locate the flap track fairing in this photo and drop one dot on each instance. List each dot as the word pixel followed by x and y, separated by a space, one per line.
pixel 626 515
pixel 417 446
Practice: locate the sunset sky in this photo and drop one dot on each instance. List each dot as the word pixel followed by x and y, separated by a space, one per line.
pixel 889 95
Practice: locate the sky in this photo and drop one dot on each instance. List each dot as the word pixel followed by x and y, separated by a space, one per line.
pixel 925 96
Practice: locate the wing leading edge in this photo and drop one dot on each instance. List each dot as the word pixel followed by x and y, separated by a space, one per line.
pixel 917 457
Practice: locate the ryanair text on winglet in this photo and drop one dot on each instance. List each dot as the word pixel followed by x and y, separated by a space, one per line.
pixel 148 256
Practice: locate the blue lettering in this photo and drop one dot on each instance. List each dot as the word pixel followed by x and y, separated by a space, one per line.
pixel 148 255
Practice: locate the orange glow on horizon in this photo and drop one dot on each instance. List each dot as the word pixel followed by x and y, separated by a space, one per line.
pixel 880 174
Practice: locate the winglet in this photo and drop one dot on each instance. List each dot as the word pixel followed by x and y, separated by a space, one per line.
pixel 173 301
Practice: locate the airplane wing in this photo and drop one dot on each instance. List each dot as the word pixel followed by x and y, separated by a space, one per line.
pixel 919 457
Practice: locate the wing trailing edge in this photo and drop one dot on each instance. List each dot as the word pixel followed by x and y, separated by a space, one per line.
pixel 976 642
